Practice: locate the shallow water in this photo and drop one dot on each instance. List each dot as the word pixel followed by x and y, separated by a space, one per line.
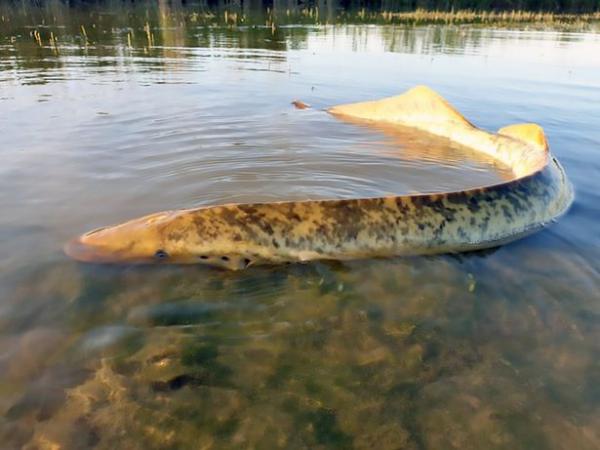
pixel 495 350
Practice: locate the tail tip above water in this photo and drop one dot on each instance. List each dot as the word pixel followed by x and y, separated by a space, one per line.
pixel 299 104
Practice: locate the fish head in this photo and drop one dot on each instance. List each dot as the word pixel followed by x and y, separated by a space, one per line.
pixel 155 238
pixel 174 237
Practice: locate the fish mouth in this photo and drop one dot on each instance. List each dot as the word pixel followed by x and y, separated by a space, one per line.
pixel 83 252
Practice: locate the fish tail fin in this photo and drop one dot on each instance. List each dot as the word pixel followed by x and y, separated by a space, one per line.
pixel 418 106
pixel 526 132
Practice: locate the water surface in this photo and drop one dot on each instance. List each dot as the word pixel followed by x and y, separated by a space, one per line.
pixel 495 350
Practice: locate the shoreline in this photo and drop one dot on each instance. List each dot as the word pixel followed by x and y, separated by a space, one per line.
pixel 148 16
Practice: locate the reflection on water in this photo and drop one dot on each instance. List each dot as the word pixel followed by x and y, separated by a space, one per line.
pixel 495 350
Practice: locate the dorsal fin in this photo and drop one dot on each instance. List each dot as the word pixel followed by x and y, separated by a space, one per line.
pixel 419 105
pixel 526 132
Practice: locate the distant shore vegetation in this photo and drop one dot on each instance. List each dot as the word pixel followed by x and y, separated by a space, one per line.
pixel 281 12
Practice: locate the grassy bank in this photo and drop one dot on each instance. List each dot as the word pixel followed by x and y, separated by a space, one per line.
pixel 472 16
pixel 316 16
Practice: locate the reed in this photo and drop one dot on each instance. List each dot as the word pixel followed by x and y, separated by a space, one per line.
pixel 84 34
pixel 149 35
pixel 473 16
pixel 312 15
pixel 37 37
pixel 53 43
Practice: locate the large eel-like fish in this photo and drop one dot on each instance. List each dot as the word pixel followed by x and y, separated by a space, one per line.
pixel 235 236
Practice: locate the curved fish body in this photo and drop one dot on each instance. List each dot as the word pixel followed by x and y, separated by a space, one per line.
pixel 236 236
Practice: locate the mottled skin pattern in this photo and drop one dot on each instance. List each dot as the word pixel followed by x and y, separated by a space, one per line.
pixel 237 236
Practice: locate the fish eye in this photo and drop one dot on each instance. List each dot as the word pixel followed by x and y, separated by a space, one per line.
pixel 161 254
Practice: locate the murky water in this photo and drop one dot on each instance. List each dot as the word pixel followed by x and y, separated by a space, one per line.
pixel 495 350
